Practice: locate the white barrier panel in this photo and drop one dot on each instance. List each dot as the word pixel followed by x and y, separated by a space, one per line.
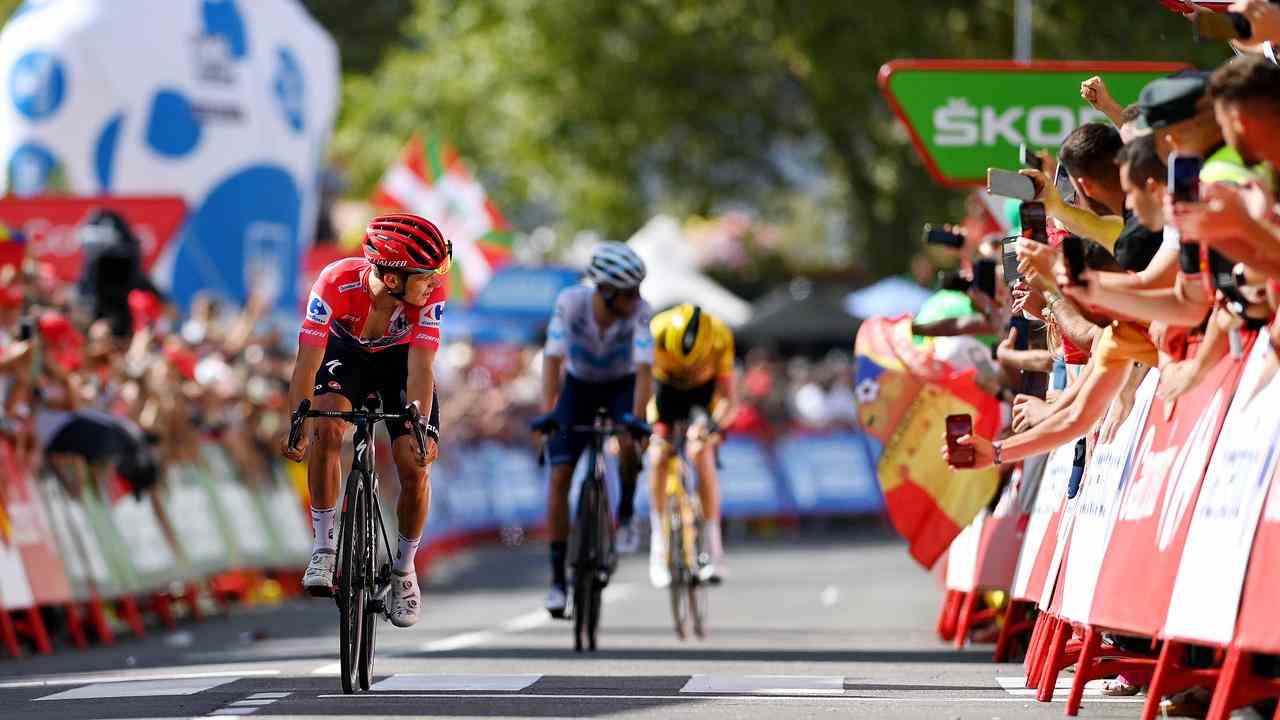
pixel 188 502
pixel 82 556
pixel 15 590
pixel 1094 508
pixel 148 547
pixel 1206 592
pixel 1053 487
pixel 962 555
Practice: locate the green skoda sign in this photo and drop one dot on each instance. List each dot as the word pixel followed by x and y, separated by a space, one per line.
pixel 965 116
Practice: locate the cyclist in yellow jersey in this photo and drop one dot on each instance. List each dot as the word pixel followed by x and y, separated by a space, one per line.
pixel 692 368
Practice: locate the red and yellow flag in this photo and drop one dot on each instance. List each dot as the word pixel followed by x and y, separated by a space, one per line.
pixel 904 396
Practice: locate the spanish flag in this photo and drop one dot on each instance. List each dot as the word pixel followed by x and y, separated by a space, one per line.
pixel 904 395
pixel 6 528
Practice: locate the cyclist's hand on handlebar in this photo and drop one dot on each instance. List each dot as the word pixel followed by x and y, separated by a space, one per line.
pixel 639 429
pixel 544 424
pixel 299 451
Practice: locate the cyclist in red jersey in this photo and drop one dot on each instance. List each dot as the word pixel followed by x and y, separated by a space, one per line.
pixel 372 327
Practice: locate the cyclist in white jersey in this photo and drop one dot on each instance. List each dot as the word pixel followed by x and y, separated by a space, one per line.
pixel 600 338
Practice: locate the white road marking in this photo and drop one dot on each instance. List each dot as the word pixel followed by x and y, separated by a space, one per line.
pixel 251 703
pixel 746 698
pixel 268 696
pixel 224 712
pixel 1018 686
pixel 436 683
pixel 328 669
pixel 140 688
pixel 520 623
pixel 830 596
pixel 87 679
pixel 766 684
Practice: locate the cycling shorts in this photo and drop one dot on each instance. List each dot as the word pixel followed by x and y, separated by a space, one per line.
pixel 671 404
pixel 357 375
pixel 577 406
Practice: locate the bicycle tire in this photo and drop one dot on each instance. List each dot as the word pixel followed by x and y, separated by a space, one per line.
pixel 676 566
pixel 369 629
pixel 593 611
pixel 350 593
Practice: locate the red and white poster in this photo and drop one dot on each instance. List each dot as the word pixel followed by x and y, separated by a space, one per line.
pixel 1155 510
pixel 1257 629
pixel 999 542
pixel 1206 593
pixel 1095 505
pixel 49 225
pixel 1041 534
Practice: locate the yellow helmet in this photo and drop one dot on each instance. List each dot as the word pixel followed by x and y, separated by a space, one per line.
pixel 687 336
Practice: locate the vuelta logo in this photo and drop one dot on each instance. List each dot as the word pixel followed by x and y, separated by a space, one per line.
pixel 1188 471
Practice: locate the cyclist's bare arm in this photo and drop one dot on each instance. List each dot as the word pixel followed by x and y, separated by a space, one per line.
pixel 305 368
pixel 644 388
pixel 727 405
pixel 552 365
pixel 420 387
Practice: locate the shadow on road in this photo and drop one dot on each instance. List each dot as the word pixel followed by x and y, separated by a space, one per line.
pixel 979 656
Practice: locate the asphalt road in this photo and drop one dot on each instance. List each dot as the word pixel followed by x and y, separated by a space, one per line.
pixel 802 628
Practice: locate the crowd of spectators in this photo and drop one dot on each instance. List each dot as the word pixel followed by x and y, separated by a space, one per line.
pixel 1168 276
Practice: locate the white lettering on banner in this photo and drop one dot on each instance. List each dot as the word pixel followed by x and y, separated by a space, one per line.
pixel 1144 490
pixel 1039 117
pixel 1188 471
pixel 959 124
pixel 951 128
pixel 1001 126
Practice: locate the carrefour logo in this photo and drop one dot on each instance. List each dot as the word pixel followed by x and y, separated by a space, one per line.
pixel 37 84
pixel 432 315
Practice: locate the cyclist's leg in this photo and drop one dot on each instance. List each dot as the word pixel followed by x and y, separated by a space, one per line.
pixel 621 401
pixel 703 453
pixel 573 407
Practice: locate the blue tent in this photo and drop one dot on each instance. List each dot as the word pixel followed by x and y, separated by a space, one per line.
pixel 514 307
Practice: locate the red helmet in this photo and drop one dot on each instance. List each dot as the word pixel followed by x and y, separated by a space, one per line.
pixel 408 243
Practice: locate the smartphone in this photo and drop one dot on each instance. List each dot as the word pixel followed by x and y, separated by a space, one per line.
pixel 1184 177
pixel 962 456
pixel 984 277
pixel 1073 254
pixel 1222 273
pixel 938 236
pixel 1010 184
pixel 1035 223
pixel 1222 26
pixel 1063 182
pixel 1009 254
pixel 1023 326
pixel 1029 159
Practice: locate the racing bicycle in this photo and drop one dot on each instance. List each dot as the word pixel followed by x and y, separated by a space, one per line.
pixel 363 576
pixel 682 524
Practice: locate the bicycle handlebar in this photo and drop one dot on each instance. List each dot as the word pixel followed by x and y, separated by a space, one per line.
pixel 412 413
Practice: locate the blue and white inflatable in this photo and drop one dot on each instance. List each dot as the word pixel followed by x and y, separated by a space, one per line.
pixel 229 104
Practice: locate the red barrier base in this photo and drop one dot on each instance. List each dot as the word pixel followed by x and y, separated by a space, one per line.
pixel 75 626
pixel 1017 621
pixel 949 614
pixel 132 616
pixel 1035 649
pixel 1060 653
pixel 9 636
pixel 162 606
pixel 1097 661
pixel 1238 686
pixel 30 623
pixel 1172 676
pixel 98 621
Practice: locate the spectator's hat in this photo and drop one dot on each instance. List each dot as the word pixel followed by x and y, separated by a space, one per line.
pixel 63 342
pixel 1171 100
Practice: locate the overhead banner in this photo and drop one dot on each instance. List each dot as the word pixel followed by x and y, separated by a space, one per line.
pixel 965 116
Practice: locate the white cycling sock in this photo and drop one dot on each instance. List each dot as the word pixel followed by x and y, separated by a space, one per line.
pixel 322 526
pixel 657 539
pixel 405 553
pixel 714 547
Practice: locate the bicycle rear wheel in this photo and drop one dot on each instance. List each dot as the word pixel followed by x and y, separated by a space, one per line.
pixel 351 596
pixel 679 587
pixel 369 629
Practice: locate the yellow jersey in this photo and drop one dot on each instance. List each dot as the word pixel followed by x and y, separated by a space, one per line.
pixel 671 370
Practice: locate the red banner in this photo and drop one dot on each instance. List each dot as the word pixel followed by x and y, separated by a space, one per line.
pixel 1141 563
pixel 1040 540
pixel 49 225
pixel 1257 629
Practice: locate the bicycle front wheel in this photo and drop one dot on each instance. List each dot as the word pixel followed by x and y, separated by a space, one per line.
pixel 351 594
pixel 369 630
pixel 680 587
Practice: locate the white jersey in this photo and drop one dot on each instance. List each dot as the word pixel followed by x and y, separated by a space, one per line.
pixel 589 354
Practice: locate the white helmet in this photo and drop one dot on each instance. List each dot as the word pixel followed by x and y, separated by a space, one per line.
pixel 615 264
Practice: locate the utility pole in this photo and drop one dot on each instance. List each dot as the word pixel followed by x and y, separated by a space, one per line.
pixel 1022 39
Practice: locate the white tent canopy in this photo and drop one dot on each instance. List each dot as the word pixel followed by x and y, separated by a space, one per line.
pixel 673 277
